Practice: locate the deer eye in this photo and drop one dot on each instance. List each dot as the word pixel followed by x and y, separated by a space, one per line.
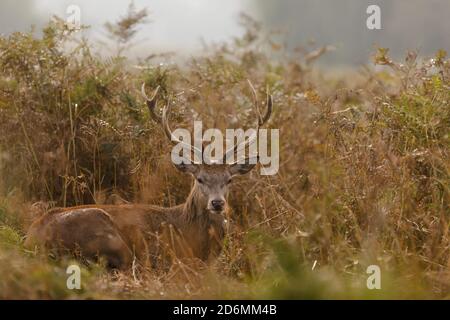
pixel 200 180
pixel 229 181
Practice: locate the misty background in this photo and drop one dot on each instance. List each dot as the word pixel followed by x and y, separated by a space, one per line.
pixel 182 25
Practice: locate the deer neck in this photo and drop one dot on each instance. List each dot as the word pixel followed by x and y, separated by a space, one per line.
pixel 195 207
pixel 203 230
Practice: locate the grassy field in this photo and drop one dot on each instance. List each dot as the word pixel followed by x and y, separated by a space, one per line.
pixel 364 165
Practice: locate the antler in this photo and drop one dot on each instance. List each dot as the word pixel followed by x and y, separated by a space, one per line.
pixel 151 103
pixel 261 121
pixel 163 120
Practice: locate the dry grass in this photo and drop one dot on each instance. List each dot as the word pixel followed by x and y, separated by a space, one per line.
pixel 364 175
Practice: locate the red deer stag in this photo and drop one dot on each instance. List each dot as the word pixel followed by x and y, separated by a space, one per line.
pixel 120 233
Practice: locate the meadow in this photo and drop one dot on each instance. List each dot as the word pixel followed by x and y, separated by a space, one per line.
pixel 364 174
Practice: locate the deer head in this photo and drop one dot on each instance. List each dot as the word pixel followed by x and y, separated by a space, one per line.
pixel 211 180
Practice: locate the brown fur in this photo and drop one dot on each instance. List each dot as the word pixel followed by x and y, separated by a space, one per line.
pixel 119 232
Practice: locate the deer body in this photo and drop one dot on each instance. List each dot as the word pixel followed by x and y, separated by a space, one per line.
pixel 121 232
pixel 153 235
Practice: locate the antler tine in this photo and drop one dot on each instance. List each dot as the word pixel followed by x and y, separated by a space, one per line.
pixel 269 104
pixel 151 103
pixel 255 101
pixel 168 132
pixel 261 121
pixel 163 120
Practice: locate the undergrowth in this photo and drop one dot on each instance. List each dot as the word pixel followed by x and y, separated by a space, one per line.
pixel 364 174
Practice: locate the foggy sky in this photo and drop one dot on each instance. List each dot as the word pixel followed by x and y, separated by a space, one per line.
pixel 181 24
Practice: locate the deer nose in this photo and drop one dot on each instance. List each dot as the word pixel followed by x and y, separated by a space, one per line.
pixel 217 204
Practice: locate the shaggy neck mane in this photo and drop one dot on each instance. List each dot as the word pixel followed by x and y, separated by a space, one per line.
pixel 194 209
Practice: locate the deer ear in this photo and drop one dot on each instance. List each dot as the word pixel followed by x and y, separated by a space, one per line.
pixel 243 168
pixel 187 167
